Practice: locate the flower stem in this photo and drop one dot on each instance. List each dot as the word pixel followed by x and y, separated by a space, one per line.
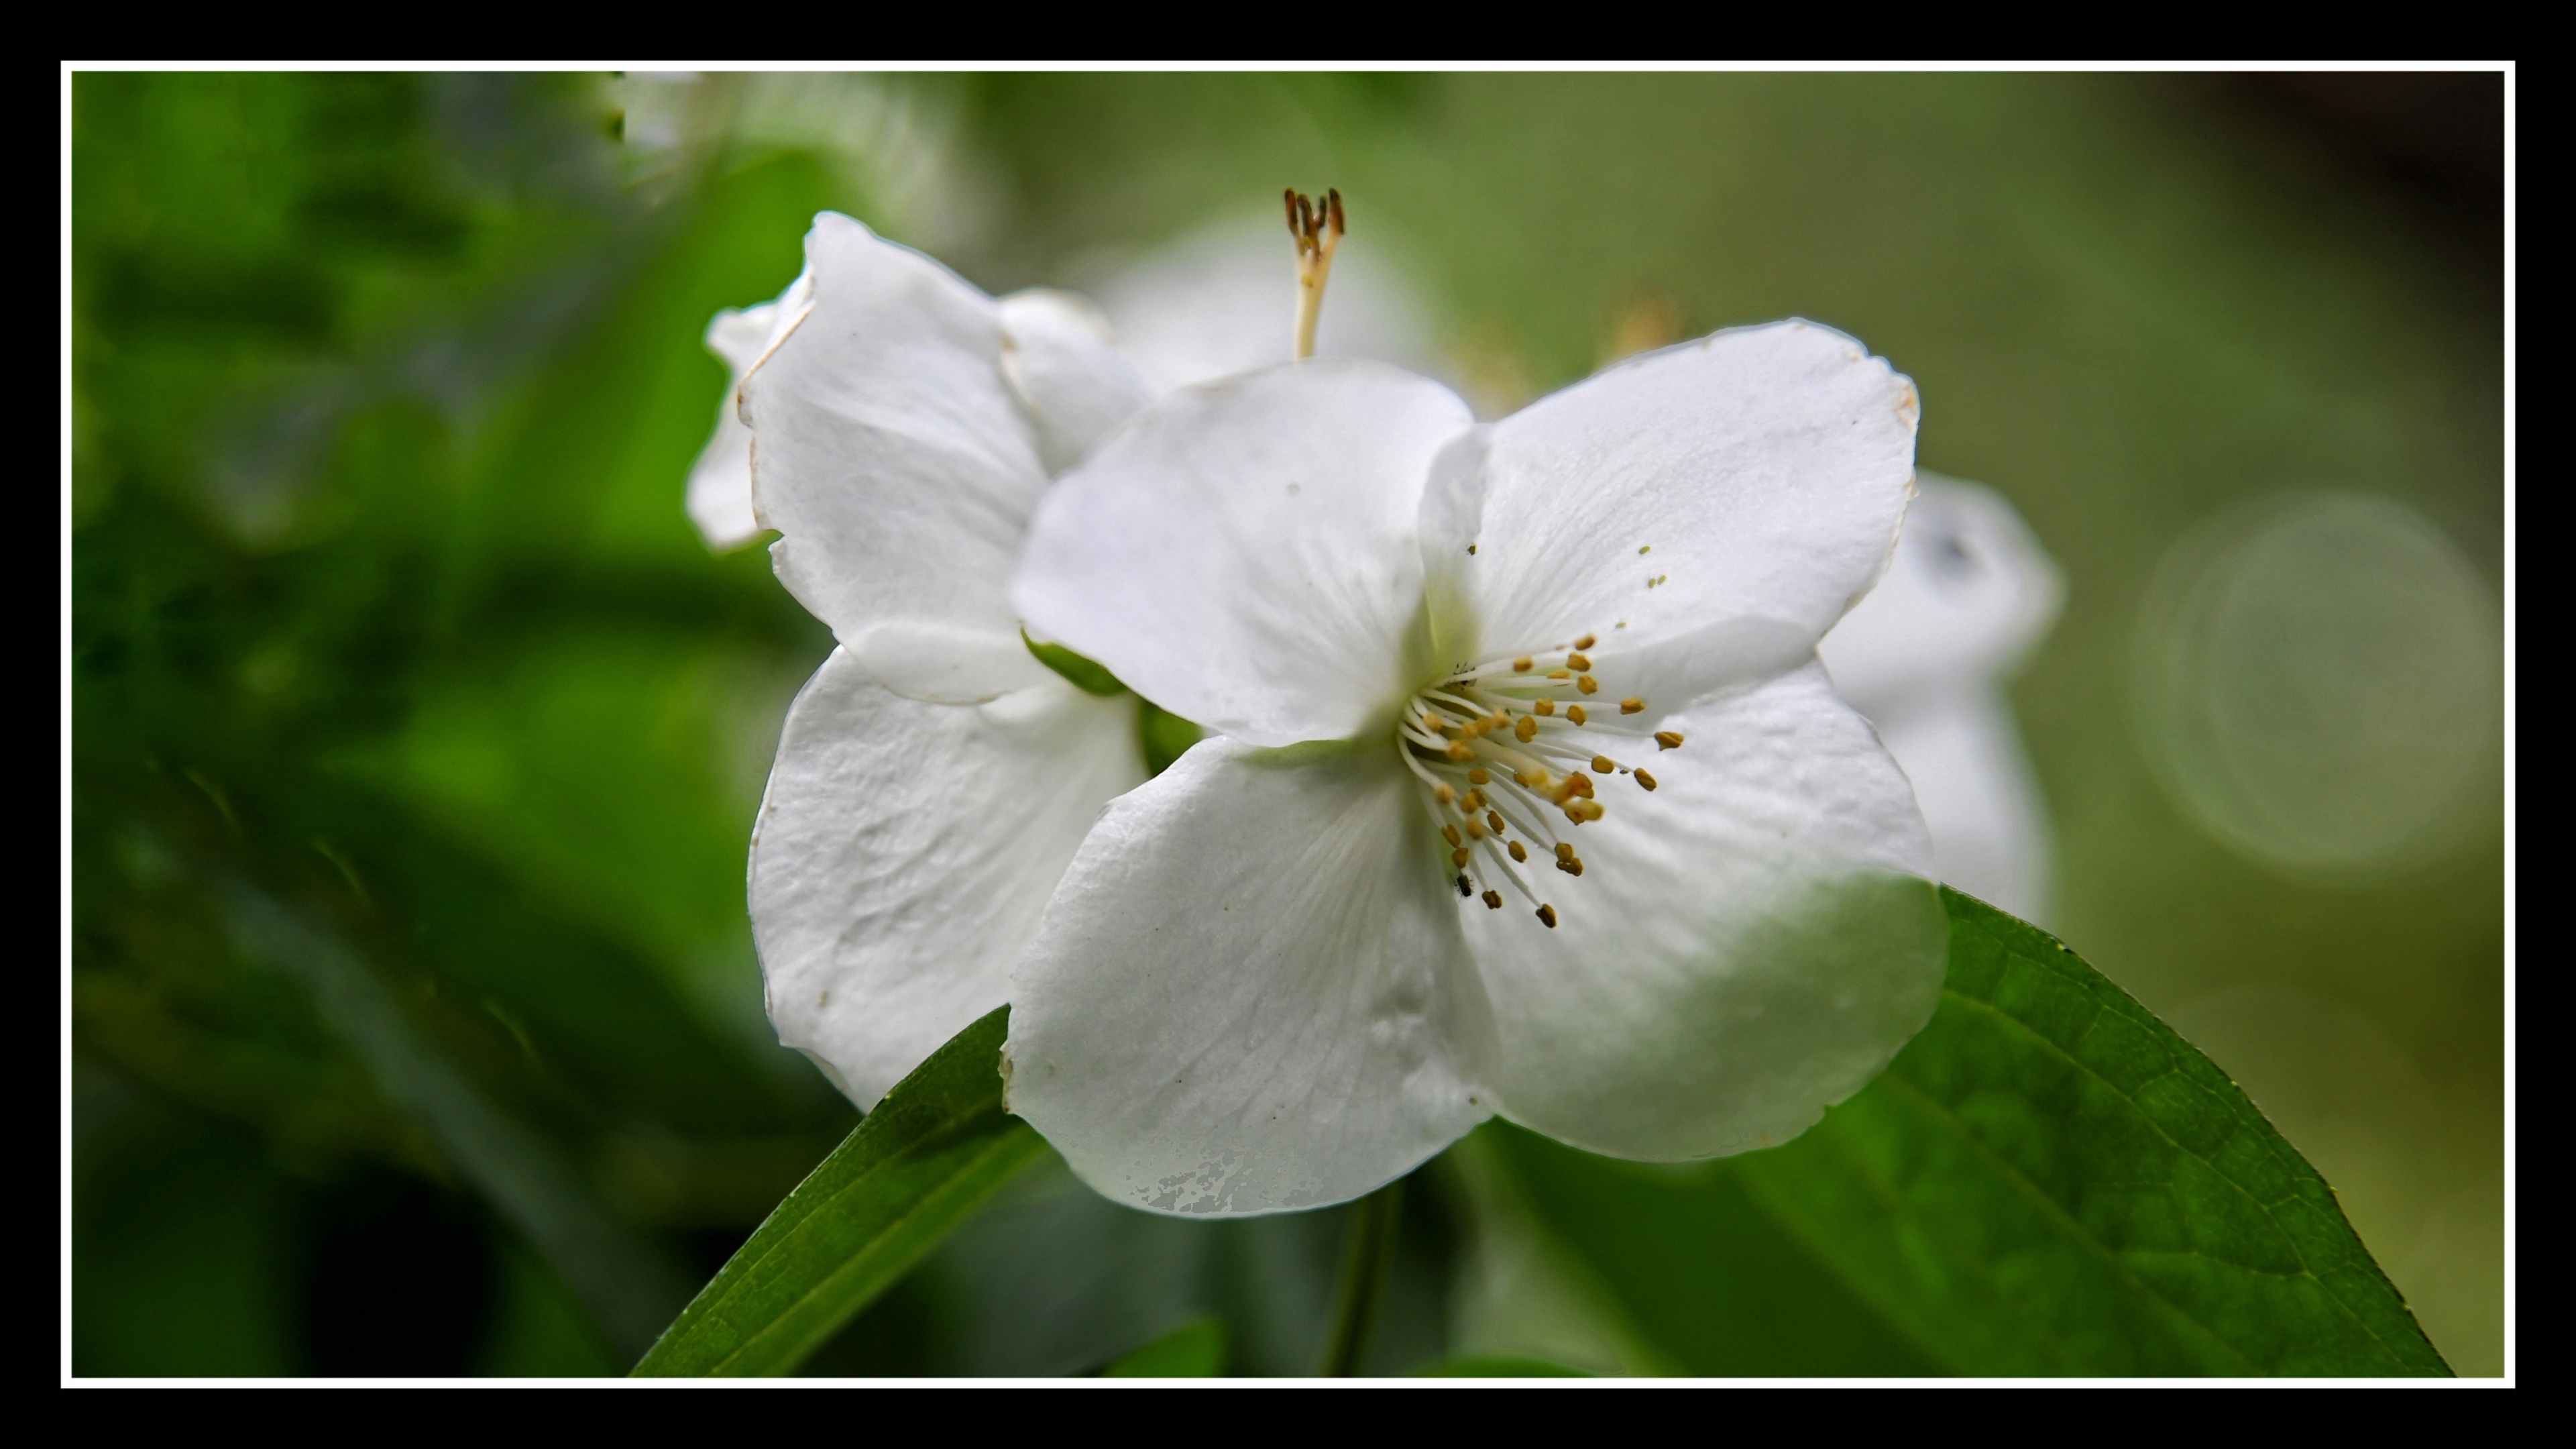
pixel 1368 1258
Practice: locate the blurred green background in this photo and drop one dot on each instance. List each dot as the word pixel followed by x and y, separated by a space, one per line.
pixel 416 737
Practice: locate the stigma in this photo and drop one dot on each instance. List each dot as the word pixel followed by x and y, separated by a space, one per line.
pixel 1503 749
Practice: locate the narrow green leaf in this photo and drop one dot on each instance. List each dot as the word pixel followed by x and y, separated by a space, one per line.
pixel 2048 1180
pixel 1166 736
pixel 1191 1351
pixel 1499 1366
pixel 937 1146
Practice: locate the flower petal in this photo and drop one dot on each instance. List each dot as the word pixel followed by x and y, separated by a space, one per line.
pixel 905 851
pixel 1969 593
pixel 1242 553
pixel 888 448
pixel 1064 362
pixel 1748 943
pixel 1979 795
pixel 1707 511
pixel 719 497
pixel 1249 994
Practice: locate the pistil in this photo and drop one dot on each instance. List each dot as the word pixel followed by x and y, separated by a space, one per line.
pixel 1317 228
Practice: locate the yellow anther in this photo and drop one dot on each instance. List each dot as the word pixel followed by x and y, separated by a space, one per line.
pixel 1526 729
pixel 1475 828
pixel 1460 855
pixel 1545 707
pixel 1579 783
pixel 1523 665
pixel 1564 851
pixel 1632 705
pixel 1585 642
pixel 1590 809
pixel 1571 867
pixel 1645 779
pixel 1493 900
pixel 1667 739
pixel 1473 801
pixel 1515 848
pixel 1577 661
pixel 1547 916
pixel 1494 821
pixel 1575 713
pixel 1531 779
pixel 1588 684
pixel 1560 674
pixel 1478 776
pixel 1443 794
pixel 1462 753
pixel 1601 765
pixel 1449 833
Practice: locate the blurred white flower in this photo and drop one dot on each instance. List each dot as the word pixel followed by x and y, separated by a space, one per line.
pixel 1280 974
pixel 719 496
pixel 1220 302
pixel 934 777
pixel 1969 594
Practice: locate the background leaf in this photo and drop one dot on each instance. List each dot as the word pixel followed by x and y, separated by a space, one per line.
pixel 2047 1181
pixel 934 1149
pixel 1191 1351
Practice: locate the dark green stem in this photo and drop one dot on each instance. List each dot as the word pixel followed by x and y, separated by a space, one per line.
pixel 1368 1257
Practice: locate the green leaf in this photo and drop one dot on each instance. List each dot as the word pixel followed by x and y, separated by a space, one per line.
pixel 2046 1181
pixel 1087 675
pixel 1191 1351
pixel 937 1146
pixel 1166 735
pixel 1499 1366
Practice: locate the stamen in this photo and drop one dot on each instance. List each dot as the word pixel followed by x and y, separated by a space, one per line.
pixel 1522 664
pixel 1544 707
pixel 1449 833
pixel 1668 739
pixel 1645 779
pixel 1601 765
pixel 1460 856
pixel 1493 900
pixel 1577 662
pixel 1494 821
pixel 1547 914
pixel 1588 684
pixel 1527 728
pixel 1574 712
pixel 1517 852
pixel 1632 705
pixel 1479 777
pixel 1585 642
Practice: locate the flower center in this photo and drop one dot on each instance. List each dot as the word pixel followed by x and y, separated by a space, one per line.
pixel 1503 747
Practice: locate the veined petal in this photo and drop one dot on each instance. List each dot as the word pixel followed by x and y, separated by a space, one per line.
pixel 888 448
pixel 719 497
pixel 1062 359
pixel 1706 511
pixel 1748 943
pixel 1250 993
pixel 1242 553
pixel 904 854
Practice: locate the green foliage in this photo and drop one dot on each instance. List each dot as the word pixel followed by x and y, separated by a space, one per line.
pixel 1166 735
pixel 1191 1351
pixel 1500 1366
pixel 2047 1181
pixel 932 1151
pixel 1087 675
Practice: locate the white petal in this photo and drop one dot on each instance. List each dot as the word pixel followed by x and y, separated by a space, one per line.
pixel 946 665
pixel 1748 944
pixel 1249 993
pixel 1990 834
pixel 1969 593
pixel 1242 553
pixel 1763 470
pixel 888 448
pixel 1063 360
pixel 905 851
pixel 719 497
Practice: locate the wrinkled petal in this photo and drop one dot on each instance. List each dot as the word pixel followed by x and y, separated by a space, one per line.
pixel 1707 511
pixel 1249 993
pixel 1242 552
pixel 905 851
pixel 719 497
pixel 1748 943
pixel 943 664
pixel 888 448
pixel 1062 359
pixel 1969 593
pixel 1973 780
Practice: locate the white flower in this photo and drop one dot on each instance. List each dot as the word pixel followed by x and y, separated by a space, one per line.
pixel 1268 981
pixel 1925 655
pixel 933 777
pixel 719 497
